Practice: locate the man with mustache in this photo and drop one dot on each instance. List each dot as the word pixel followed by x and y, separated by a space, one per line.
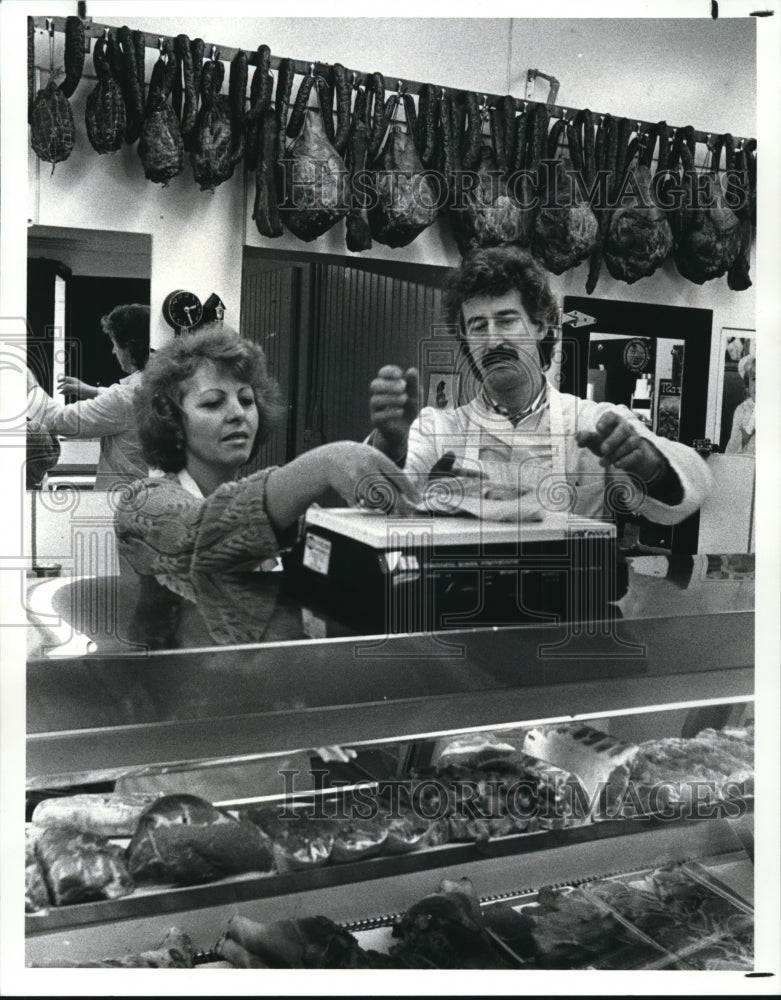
pixel 519 437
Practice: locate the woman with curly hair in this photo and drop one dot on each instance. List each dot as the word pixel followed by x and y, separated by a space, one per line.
pixel 205 405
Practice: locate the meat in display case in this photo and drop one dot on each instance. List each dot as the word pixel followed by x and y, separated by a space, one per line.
pixel 537 795
pixel 545 846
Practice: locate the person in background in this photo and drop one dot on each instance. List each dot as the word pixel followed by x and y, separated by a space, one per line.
pixel 742 440
pixel 107 412
pixel 204 406
pixel 519 433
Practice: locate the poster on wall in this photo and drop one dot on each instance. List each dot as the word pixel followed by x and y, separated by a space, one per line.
pixel 442 390
pixel 737 394
pixel 668 417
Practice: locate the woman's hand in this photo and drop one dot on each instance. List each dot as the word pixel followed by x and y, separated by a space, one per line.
pixel 366 478
pixel 32 381
pixel 360 474
pixel 69 385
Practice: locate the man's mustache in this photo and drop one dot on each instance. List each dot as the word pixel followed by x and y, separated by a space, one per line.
pixel 499 356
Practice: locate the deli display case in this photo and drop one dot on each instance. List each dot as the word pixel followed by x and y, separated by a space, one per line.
pixel 579 720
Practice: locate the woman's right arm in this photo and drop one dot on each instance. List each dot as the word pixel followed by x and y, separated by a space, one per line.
pixel 164 529
pixel 356 471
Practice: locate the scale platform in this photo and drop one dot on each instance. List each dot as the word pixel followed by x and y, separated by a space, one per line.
pixel 404 573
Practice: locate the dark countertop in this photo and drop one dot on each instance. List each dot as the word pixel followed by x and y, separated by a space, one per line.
pixel 131 615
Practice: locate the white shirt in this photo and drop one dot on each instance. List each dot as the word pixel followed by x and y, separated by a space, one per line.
pixel 541 454
pixel 108 416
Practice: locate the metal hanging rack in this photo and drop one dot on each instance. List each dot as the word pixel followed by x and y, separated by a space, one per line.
pixel 94 30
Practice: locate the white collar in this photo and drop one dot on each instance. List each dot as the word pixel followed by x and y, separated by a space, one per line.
pixel 537 403
pixel 187 483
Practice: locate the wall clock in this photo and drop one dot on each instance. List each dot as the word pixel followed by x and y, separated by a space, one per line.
pixel 182 310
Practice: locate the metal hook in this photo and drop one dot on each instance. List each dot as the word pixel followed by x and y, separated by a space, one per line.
pixel 354 80
pixel 311 69
pixel 50 26
pixel 442 93
pixel 709 142
pixel 215 53
pixel 400 85
pixel 106 34
pixel 161 43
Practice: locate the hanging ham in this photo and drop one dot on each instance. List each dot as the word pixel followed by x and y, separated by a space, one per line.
pixel 566 230
pixel 316 182
pixel 710 239
pixel 407 199
pixel 638 239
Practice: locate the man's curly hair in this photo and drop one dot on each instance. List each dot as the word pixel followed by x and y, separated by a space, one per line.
pixel 158 400
pixel 494 271
pixel 128 327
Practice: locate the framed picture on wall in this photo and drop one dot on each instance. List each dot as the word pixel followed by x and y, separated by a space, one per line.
pixel 732 400
pixel 443 390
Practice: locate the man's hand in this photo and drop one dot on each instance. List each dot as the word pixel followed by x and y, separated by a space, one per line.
pixel 393 405
pixel 617 443
pixel 68 385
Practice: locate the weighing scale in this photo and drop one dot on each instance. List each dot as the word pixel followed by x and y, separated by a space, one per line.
pixel 426 572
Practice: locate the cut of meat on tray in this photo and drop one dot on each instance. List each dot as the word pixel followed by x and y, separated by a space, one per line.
pixel 184 840
pixel 446 930
pixel 108 815
pixel 307 943
pixel 684 917
pixel 297 843
pixel 81 867
pixel 569 930
pixel 175 952
pixel 36 895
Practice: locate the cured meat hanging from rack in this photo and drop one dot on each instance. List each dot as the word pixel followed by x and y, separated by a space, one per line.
pixel 357 232
pixel 53 133
pixel 710 237
pixel 160 145
pixel 407 201
pixel 638 239
pixel 315 176
pixel 605 149
pixel 261 149
pixel 133 50
pixel 190 59
pixel 565 230
pixel 738 275
pixel 259 101
pixel 74 55
pixel 105 112
pixel 218 142
pixel 484 214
